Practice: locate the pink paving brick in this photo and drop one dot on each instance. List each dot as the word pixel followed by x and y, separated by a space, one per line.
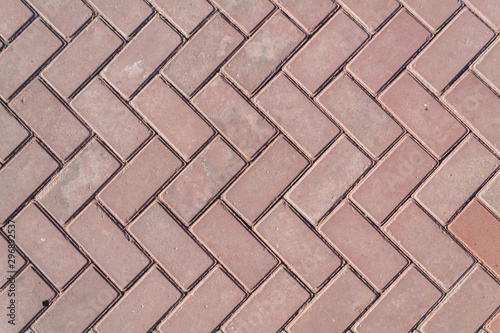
pixel 278 165
pixel 467 307
pixel 325 52
pixel 296 115
pixel 125 16
pixel 246 14
pixel 215 288
pixel 78 181
pixel 308 14
pixel 22 176
pixel 172 117
pixel 13 16
pixel 31 291
pixel 139 180
pixel 426 243
pixel 12 133
pixel 331 176
pixel 41 241
pixel 298 246
pixel 392 179
pixel 390 50
pixel 460 174
pixel 479 231
pixel 494 325
pixel 186 15
pixel 50 119
pixel 234 117
pixel 82 57
pixel 461 40
pixel 140 58
pixel 12 263
pixel 260 56
pixel 335 307
pixel 478 106
pixel 354 237
pixel 431 15
pixel 270 306
pixel 425 117
pixel 110 118
pixel 400 307
pixel 148 300
pixel 79 306
pixel 490 195
pixel 488 10
pixel 98 235
pixel 66 16
pixel 181 257
pixel 487 66
pixel 202 55
pixel 234 246
pixel 25 55
pixel 359 115
pixel 202 179
pixel 372 13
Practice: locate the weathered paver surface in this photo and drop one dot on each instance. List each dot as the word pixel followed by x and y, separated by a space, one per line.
pixel 250 166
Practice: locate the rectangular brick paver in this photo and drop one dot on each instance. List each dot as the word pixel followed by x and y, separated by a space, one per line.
pixel 13 16
pixel 372 13
pixel 14 264
pixel 431 15
pixel 12 133
pixel 308 14
pixel 487 10
pixel 186 15
pixel 487 65
pixel 233 245
pixel 246 14
pixel 494 325
pixel 490 195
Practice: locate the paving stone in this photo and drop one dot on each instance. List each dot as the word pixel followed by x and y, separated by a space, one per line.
pixel 335 307
pixel 12 133
pixel 54 255
pixel 467 307
pixel 354 237
pixel 11 264
pixel 325 52
pixel 66 16
pixel 490 195
pixel 461 40
pixel 425 117
pixel 172 118
pixel 359 115
pixel 233 116
pixel 494 325
pixel 260 56
pixel 265 179
pixel 488 10
pixel 31 291
pixel 308 14
pixel 431 15
pixel 246 14
pixel 78 181
pixel 173 249
pixel 390 49
pixel 125 16
pixel 98 235
pixel 148 300
pixel 296 115
pixel 298 246
pixel 371 14
pixel 186 15
pixel 140 58
pixel 270 306
pixel 460 174
pixel 22 176
pixel 25 56
pixel 140 178
pixel 81 58
pixel 385 187
pixel 13 16
pixel 435 251
pixel 234 246
pixel 478 107
pixel 487 66
pixel 50 119
pixel 211 300
pixel 110 118
pixel 79 306
pixel 202 179
pixel 479 230
pixel 202 55
pixel 330 177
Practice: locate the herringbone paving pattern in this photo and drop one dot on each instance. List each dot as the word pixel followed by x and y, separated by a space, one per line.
pixel 250 166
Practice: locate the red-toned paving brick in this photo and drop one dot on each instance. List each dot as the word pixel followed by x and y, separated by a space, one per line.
pixel 431 15
pixel 494 325
pixel 488 10
pixel 308 14
pixel 12 133
pixel 13 16
pixel 490 195
pixel 246 14
pixel 371 14
pixel 487 65
pixel 15 263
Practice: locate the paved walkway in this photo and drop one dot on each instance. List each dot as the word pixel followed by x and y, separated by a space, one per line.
pixel 250 166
